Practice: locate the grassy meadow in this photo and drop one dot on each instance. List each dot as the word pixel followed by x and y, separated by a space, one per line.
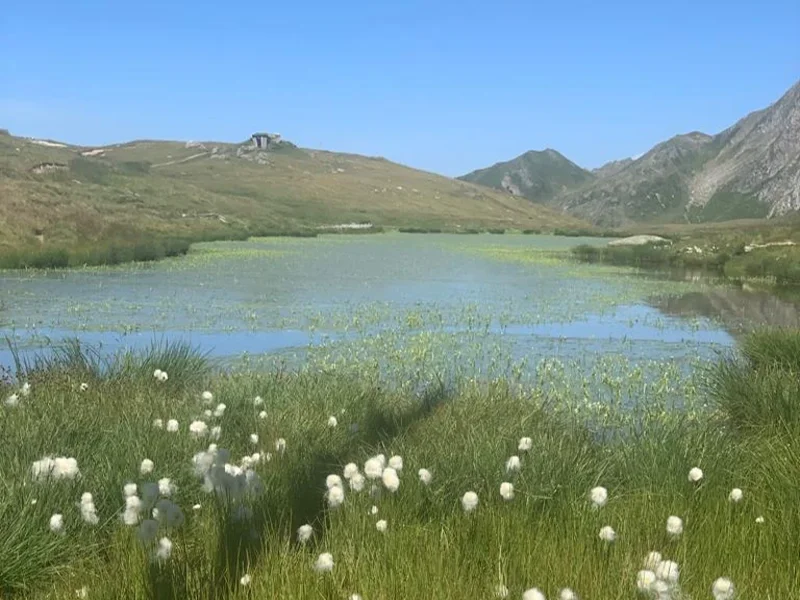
pixel 236 463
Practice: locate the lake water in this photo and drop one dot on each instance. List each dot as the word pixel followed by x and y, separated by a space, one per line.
pixel 288 297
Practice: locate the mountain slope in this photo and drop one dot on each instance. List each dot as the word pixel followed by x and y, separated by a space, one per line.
pixel 758 163
pixel 65 195
pixel 538 176
pixel 751 170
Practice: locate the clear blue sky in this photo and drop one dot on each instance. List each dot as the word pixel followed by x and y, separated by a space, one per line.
pixel 445 85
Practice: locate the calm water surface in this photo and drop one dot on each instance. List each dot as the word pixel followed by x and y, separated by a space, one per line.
pixel 287 295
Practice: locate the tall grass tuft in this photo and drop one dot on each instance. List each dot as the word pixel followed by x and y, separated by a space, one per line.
pixel 760 388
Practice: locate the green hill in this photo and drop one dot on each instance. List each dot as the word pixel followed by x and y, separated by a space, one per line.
pixel 538 176
pixel 62 196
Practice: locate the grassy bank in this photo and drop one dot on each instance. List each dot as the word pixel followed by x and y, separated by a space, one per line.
pixel 234 534
pixel 779 264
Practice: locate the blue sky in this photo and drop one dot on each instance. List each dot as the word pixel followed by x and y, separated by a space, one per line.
pixel 446 86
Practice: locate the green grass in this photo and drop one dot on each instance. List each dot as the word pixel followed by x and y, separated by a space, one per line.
pixel 463 432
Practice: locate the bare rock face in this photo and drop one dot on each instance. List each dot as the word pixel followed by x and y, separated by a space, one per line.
pixel 758 157
pixel 640 240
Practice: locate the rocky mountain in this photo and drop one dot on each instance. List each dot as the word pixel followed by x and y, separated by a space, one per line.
pixel 751 170
pixel 538 176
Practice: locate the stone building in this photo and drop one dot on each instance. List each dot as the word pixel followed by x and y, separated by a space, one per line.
pixel 264 141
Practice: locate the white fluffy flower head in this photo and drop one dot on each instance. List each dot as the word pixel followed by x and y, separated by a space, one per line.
pixel 668 571
pixel 396 462
pixel 525 444
pixel 598 496
pixel 651 560
pixel 469 501
pixel 146 467
pixel 57 523
pixel 507 490
pixel 304 533
pixel 645 580
pixel 425 476
pixel 390 479
pixel 674 526
pixel 350 469
pixel 335 496
pixel 198 429
pixel 373 468
pixel 164 549
pixel 381 525
pixel 723 589
pixel 245 579
pixel 736 495
pixel 332 422
pixel 533 594
pixel 513 464
pixel 567 594
pixel 333 480
pixel 695 474
pixel 172 425
pixel 607 534
pixel 324 563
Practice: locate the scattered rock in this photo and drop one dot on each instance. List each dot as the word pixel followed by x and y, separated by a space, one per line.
pixel 639 240
pixel 48 167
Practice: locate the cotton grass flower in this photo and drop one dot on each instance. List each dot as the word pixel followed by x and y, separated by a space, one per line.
pixel 723 589
pixel 736 495
pixel 324 563
pixel 607 534
pixel 567 594
pixel 84 387
pixel 674 526
pixel 12 400
pixel 133 505
pixel 335 496
pixel 333 480
pixel 651 560
pixel 469 501
pixel 220 409
pixel 513 464
pixel 88 509
pixel 695 474
pixel 172 426
pixel 258 401
pixel 357 482
pixel 157 373
pixel 332 422
pixel 356 597
pixel 525 444
pixel 374 510
pixel 160 376
pixel 396 462
pixel 158 423
pixel 533 594
pixel 207 397
pixel 501 591
pixel 198 428
pixel 598 496
pixel 373 468
pixel 425 476
pixel 216 432
pixel 759 520
pixel 645 580
pixel 166 487
pixel 382 525
pixel 146 467
pixel 390 479
pixel 507 491
pixel 350 469
pixel 25 390
pixel 262 415
pixel 82 592
pixel 61 467
pixel 164 549
pixel 57 523
pixel 129 489
pixel 197 507
pixel 668 571
pixel 254 438
pixel 280 445
pixel 304 533
pixel 245 580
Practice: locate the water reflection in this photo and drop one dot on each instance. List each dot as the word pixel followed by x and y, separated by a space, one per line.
pixel 738 309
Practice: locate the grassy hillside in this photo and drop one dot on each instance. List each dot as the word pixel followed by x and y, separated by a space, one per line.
pixel 72 197
pixel 538 176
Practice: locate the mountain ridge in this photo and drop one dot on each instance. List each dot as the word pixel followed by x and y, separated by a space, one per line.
pixel 749 170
